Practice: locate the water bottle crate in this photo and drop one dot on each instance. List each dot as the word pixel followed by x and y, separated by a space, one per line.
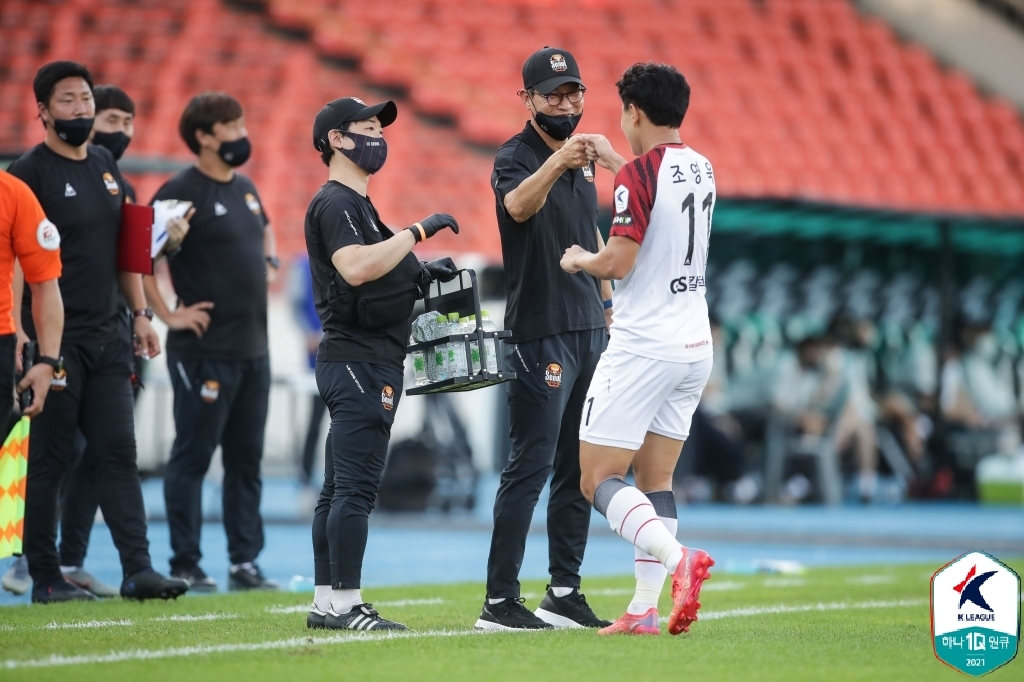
pixel 465 302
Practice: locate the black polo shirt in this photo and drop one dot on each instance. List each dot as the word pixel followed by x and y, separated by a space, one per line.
pixel 337 217
pixel 543 299
pixel 83 199
pixel 221 260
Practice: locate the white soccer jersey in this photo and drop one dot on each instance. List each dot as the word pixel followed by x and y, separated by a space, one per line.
pixel 664 201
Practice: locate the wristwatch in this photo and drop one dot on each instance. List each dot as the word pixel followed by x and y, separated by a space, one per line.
pixel 56 363
pixel 274 262
pixel 144 312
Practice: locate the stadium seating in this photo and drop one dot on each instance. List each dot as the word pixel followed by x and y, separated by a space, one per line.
pixel 790 97
pixel 280 82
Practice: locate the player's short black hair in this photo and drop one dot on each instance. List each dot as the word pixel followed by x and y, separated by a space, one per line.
pixel 112 97
pixel 203 111
pixel 658 90
pixel 50 74
pixel 328 151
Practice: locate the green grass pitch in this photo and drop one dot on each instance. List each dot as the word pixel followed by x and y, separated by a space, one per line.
pixel 829 624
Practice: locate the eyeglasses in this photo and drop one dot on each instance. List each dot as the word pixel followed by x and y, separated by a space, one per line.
pixel 555 99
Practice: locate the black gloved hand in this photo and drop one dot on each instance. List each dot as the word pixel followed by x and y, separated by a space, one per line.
pixel 428 227
pixel 442 269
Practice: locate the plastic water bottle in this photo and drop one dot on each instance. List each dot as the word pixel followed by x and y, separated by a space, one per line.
pixel 456 349
pixel 489 344
pixel 441 366
pixel 419 364
pixel 469 327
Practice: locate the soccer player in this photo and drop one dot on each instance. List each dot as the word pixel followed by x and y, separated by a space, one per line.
pixel 648 382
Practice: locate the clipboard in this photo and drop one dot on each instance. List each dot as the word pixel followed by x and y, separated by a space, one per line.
pixel 135 240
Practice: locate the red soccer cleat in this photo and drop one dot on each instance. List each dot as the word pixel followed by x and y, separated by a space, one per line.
pixel 629 624
pixel 693 570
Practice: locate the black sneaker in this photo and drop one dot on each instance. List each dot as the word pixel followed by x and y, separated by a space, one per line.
pixel 363 617
pixel 58 591
pixel 248 576
pixel 196 578
pixel 315 619
pixel 148 584
pixel 509 614
pixel 570 611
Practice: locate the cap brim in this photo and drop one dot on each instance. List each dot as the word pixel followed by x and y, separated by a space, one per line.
pixel 548 86
pixel 386 113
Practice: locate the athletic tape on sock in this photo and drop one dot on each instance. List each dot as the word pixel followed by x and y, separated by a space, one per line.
pixel 605 492
pixel 664 502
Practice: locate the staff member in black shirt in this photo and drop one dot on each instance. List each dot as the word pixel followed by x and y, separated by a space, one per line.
pixel 113 129
pixel 217 349
pixel 543 180
pixel 365 282
pixel 81 192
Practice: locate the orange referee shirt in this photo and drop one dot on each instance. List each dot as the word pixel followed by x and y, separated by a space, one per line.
pixel 25 234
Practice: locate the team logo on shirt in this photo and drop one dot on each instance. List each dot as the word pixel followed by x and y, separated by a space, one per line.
pixel 111 184
pixel 588 173
pixel 253 203
pixel 69 191
pixel 219 209
pixel 387 398
pixel 59 381
pixel 209 391
pixel 558 63
pixel 47 235
pixel 553 375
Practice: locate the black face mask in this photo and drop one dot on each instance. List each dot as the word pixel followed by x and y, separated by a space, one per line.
pixel 74 131
pixel 115 142
pixel 558 127
pixel 370 153
pixel 236 152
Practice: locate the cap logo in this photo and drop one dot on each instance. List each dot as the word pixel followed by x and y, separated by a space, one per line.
pixel 558 63
pixel 356 99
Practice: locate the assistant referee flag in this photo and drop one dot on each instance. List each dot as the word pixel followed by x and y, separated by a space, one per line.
pixel 13 472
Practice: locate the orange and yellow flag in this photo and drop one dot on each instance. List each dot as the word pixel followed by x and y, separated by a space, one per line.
pixel 13 471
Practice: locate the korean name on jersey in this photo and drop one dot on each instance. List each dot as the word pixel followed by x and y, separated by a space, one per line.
pixel 664 201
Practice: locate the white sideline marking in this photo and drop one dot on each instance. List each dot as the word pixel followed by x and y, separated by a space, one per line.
pixel 303 608
pixel 412 602
pixel 609 592
pixel 191 619
pixel 784 582
pixel 870 580
pixel 298 608
pixel 203 650
pixel 54 625
pixel 723 586
pixel 803 608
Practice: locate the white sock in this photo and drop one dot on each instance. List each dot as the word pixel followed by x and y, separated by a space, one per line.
pixel 495 601
pixel 343 601
pixel 64 570
pixel 561 591
pixel 631 515
pixel 322 597
pixel 650 576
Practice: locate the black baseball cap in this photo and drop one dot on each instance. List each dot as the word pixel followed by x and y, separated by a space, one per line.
pixel 349 109
pixel 548 68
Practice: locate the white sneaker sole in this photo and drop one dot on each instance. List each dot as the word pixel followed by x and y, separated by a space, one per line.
pixel 490 626
pixel 556 620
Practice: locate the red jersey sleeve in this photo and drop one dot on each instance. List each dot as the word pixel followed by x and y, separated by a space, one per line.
pixel 635 187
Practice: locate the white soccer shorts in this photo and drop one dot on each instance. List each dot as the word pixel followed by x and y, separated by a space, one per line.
pixel 631 395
